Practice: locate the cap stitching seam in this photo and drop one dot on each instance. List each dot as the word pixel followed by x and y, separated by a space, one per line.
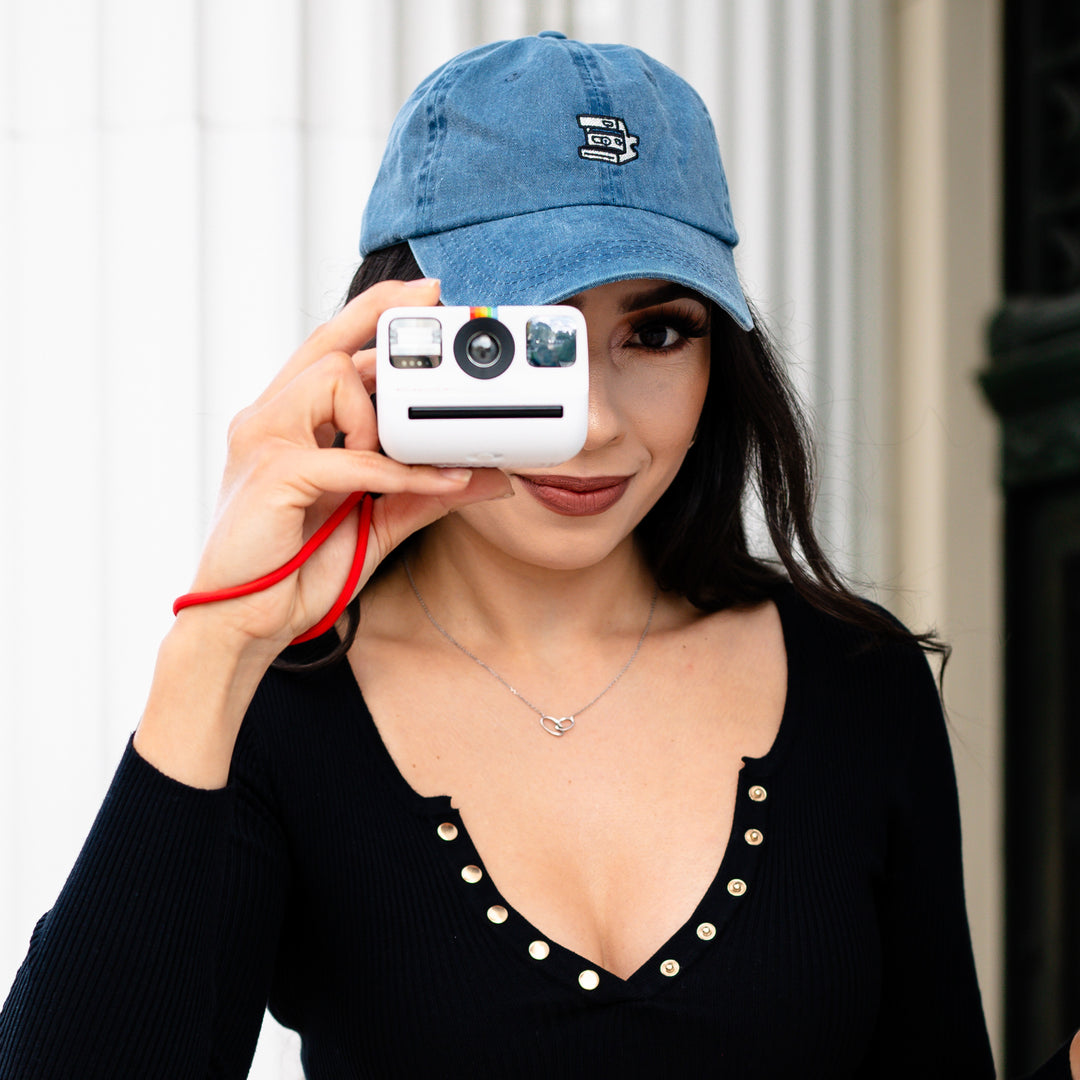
pixel 702 229
pixel 436 125
pixel 600 104
pixel 542 271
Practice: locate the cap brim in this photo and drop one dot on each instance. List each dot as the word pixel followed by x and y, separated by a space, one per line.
pixel 550 255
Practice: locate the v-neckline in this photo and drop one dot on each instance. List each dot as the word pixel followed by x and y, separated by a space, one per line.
pixel 731 887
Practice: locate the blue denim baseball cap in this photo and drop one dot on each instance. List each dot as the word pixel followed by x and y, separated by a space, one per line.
pixel 526 171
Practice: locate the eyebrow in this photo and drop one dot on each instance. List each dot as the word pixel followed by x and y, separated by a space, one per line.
pixel 651 297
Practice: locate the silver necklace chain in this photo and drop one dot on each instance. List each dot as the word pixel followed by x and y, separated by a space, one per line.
pixel 553 725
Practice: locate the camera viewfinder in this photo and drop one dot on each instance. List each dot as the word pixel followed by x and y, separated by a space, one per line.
pixel 415 343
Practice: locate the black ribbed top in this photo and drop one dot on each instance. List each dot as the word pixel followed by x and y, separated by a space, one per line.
pixel 833 941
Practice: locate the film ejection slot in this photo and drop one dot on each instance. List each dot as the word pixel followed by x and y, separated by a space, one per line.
pixel 482 385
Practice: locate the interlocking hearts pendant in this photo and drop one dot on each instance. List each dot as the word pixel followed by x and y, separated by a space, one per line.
pixel 557 725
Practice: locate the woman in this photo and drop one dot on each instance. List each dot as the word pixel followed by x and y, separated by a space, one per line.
pixel 739 856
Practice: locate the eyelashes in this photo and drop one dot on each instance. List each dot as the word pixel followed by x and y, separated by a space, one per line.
pixel 669 329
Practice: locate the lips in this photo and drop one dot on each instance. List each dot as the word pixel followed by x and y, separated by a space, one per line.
pixel 576 496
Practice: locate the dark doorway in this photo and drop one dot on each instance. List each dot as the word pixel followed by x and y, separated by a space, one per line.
pixel 1033 382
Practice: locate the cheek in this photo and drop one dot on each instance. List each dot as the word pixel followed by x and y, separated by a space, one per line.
pixel 666 406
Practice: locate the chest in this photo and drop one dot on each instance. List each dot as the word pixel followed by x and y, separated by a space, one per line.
pixel 393 922
pixel 608 837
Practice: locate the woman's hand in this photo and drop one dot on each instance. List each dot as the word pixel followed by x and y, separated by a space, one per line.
pixel 282 480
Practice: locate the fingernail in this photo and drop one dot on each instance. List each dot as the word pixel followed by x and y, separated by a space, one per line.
pixel 422 283
pixel 459 476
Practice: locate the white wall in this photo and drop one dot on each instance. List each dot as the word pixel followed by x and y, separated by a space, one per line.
pixel 181 188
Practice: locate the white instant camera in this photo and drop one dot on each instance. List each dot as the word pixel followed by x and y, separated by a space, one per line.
pixel 506 386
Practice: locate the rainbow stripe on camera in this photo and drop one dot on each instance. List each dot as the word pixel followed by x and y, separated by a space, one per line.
pixel 483 313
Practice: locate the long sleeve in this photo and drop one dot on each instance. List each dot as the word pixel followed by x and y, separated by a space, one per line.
pixel 156 958
pixel 931 1021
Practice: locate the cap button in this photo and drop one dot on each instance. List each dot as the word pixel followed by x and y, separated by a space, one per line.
pixel 552 33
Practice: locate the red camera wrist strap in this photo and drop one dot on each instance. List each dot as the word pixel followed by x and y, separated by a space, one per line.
pixel 367 502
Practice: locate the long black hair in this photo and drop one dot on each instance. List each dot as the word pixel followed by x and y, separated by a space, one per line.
pixel 752 434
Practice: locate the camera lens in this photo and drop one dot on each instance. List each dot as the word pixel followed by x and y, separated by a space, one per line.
pixel 482 349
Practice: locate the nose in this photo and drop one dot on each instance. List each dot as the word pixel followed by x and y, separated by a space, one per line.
pixel 605 420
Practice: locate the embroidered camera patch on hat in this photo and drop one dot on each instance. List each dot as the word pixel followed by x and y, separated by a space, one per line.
pixel 607 139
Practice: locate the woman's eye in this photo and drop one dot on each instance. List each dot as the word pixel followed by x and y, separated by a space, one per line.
pixel 658 336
